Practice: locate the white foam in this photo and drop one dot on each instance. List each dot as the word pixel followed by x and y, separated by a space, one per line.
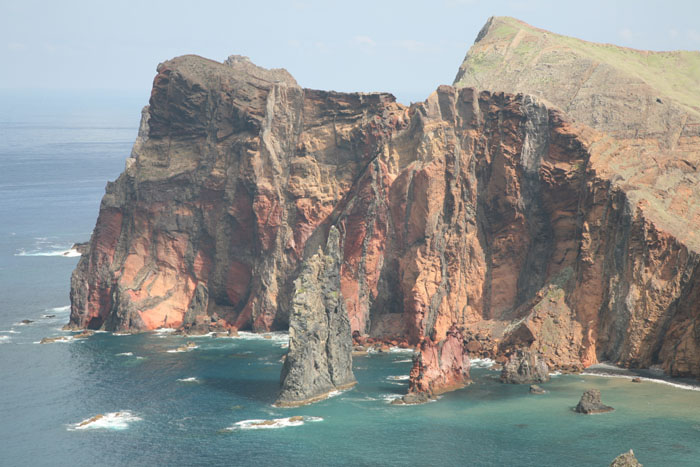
pixel 4 339
pixel 59 309
pixel 398 377
pixel 278 337
pixel 481 362
pixel 408 360
pixel 11 331
pixel 390 397
pixel 70 253
pixel 687 387
pixel 163 330
pixel 400 350
pixel 191 379
pixel 259 424
pixel 109 421
pixel 182 349
pixel 125 354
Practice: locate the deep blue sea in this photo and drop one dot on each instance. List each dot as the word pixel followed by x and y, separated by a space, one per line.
pixel 164 407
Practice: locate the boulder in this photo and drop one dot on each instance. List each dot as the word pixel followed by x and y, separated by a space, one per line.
pixel 590 403
pixel 626 460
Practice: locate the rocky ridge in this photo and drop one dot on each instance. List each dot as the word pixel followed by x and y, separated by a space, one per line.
pixel 476 219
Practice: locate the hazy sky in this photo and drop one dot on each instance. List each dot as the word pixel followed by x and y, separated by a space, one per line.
pixel 405 47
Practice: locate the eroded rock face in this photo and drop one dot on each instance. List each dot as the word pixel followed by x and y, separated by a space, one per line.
pixel 320 344
pixel 479 211
pixel 525 367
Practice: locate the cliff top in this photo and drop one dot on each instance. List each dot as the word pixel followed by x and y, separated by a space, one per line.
pixel 647 103
pixel 512 52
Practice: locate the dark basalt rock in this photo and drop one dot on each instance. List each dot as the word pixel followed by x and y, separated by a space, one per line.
pixel 525 367
pixel 590 403
pixel 413 398
pixel 626 460
pixel 320 343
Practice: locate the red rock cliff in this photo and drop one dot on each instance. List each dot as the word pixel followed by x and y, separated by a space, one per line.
pixel 470 214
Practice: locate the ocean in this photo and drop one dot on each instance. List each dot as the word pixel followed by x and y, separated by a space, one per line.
pixel 161 406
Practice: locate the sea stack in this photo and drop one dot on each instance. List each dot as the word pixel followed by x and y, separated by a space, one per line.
pixel 590 403
pixel 319 360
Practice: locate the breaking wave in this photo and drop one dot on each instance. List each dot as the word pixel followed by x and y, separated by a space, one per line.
pixel 259 424
pixel 108 421
pixel 191 379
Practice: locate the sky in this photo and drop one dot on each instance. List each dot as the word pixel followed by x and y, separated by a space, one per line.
pixel 404 47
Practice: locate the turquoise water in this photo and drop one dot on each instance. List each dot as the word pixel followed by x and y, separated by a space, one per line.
pixel 195 408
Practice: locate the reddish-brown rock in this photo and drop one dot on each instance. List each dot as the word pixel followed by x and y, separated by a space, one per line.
pixel 475 221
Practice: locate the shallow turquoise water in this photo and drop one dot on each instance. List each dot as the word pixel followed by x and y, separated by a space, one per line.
pixel 54 169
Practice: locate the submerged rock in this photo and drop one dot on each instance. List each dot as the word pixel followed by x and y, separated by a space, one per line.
pixel 51 340
pixel 535 389
pixel 84 335
pixel 626 460
pixel 319 359
pixel 525 367
pixel 590 403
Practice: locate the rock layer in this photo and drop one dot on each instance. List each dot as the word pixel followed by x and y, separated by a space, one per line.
pixel 320 344
pixel 489 213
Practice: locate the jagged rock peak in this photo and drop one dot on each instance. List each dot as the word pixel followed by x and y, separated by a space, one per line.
pixel 320 344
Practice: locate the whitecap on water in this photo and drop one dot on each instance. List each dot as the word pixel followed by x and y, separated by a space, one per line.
pixel 191 379
pixel 11 331
pixel 398 377
pixel 259 424
pixel 69 253
pixel 125 354
pixel 407 360
pixel 109 421
pixel 182 349
pixel 4 339
pixel 59 309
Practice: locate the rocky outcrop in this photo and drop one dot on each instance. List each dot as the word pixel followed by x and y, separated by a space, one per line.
pixel 626 459
pixel 320 344
pixel 590 403
pixel 438 367
pixel 525 367
pixel 476 212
